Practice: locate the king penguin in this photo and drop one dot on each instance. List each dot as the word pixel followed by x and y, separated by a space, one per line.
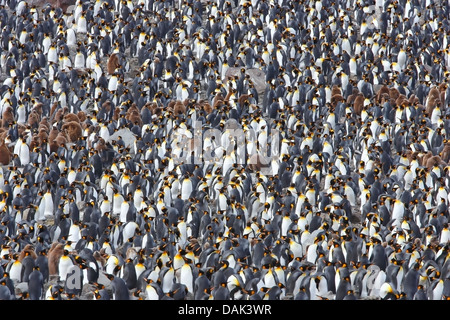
pixel 119 288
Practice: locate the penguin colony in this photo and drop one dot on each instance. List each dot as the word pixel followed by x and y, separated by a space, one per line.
pixel 357 204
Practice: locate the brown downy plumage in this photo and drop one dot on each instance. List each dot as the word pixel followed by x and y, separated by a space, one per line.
pixel 135 118
pixel 179 108
pixel 358 104
pixel 335 99
pixel 433 161
pixel 381 94
pixel 432 103
pixel 58 115
pixel 384 98
pixel 434 93
pixel 413 100
pixel 394 94
pixel 42 136
pixel 187 102
pixel 433 100
pixel 28 250
pixel 37 107
pixel 33 119
pixel 243 100
pixel 23 130
pixel 54 254
pixel 107 106
pixel 229 94
pixel 401 100
pixel 336 90
pixel 206 106
pixel 351 97
pixel 7 117
pixel 44 125
pixel 171 105
pixel 116 114
pixel 443 90
pixel 424 158
pixel 218 99
pixel 133 115
pixel 151 105
pixel 100 145
pixel 5 153
pixel 71 117
pixel 445 153
pixel 99 258
pixel 219 104
pixel 413 155
pixel 53 109
pixel 53 134
pixel 59 141
pixel 35 142
pixel 157 111
pixel 82 116
pixel 73 130
pixel 113 63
